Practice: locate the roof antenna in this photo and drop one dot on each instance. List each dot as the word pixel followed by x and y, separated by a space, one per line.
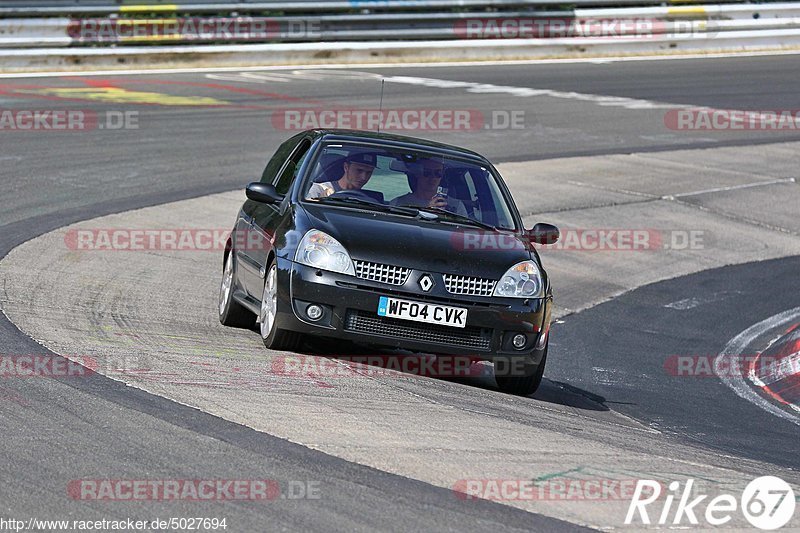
pixel 380 107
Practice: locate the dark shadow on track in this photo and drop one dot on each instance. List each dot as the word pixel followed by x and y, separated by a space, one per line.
pixel 480 376
pixel 623 351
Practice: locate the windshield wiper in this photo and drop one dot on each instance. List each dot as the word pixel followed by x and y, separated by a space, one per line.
pixel 410 211
pixel 456 216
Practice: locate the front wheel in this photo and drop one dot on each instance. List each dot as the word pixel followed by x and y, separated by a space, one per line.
pixel 273 337
pixel 525 384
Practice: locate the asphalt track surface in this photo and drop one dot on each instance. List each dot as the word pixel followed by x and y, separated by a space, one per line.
pixel 100 428
pixel 626 365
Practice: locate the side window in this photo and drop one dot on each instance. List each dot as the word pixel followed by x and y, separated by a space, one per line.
pixel 490 207
pixel 281 154
pixel 292 166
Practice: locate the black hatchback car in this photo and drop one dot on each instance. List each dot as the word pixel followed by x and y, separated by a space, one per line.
pixel 394 242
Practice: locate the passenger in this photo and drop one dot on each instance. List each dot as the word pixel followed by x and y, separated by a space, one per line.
pixel 424 178
pixel 358 168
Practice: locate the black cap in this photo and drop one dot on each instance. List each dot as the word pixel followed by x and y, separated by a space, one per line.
pixel 364 158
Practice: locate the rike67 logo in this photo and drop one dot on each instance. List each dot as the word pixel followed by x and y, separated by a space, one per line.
pixel 767 503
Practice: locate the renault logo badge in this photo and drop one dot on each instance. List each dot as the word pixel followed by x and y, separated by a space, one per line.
pixel 425 282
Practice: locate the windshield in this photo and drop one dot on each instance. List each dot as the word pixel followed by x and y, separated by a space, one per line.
pixel 368 177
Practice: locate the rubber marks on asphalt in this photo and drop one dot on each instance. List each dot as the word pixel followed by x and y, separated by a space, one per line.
pixel 775 372
pixel 691 303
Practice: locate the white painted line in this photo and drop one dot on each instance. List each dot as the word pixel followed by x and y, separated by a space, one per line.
pixel 730 188
pixel 251 77
pixel 468 86
pixel 266 67
pixel 734 349
pixel 612 189
pixel 489 88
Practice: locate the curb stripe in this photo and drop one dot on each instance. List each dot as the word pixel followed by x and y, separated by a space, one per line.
pixel 157 8
pixel 781 375
pixel 686 10
pixel 734 348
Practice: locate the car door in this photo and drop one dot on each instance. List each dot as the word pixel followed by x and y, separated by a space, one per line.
pixel 247 265
pixel 265 219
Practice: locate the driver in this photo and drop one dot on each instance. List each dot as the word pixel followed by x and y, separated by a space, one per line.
pixel 358 168
pixel 424 178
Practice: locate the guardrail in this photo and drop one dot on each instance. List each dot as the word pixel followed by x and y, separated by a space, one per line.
pixel 644 22
pixel 98 34
pixel 37 8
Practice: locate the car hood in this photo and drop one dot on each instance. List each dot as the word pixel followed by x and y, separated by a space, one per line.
pixel 424 245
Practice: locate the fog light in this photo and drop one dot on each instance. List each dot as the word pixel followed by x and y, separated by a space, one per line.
pixel 518 341
pixel 314 312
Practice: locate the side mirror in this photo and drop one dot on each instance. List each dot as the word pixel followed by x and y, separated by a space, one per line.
pixel 544 233
pixel 264 193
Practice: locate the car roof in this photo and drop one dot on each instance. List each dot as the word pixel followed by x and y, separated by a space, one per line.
pixel 400 141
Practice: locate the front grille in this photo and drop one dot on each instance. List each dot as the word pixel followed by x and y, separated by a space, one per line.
pixel 389 274
pixel 468 286
pixel 372 324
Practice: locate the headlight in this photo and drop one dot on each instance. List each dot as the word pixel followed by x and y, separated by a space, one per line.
pixel 319 250
pixel 523 280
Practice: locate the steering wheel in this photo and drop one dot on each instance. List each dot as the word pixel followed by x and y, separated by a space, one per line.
pixel 356 193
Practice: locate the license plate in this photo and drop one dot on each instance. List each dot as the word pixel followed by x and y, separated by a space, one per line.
pixel 444 315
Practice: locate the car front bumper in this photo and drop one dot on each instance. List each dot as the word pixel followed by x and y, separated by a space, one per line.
pixel 350 312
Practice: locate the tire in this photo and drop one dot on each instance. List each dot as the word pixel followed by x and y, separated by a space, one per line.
pixel 231 312
pixel 526 384
pixel 273 337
